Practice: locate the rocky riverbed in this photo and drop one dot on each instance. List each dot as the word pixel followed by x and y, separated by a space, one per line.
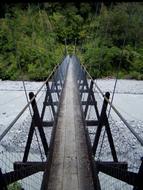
pixel 128 100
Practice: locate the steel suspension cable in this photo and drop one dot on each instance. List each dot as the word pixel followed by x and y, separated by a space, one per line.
pixel 115 84
pixel 114 108
pixel 101 57
pixel 91 31
pixel 118 69
pixel 22 74
pixel 96 33
pixel 29 104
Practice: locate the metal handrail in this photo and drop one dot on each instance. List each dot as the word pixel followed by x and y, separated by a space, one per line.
pixel 28 104
pixel 113 107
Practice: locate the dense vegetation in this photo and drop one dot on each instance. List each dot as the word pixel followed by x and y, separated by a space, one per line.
pixel 14 186
pixel 108 38
pixel 116 42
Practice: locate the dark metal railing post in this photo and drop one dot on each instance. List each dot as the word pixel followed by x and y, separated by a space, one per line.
pixel 88 99
pixel 36 122
pixel 56 85
pixel 50 99
pixel 29 141
pixel 140 177
pixel 110 139
pixel 44 105
pixel 84 85
pixel 91 98
pixel 100 124
pixel 61 75
pixel 103 121
pixel 3 185
pixel 79 76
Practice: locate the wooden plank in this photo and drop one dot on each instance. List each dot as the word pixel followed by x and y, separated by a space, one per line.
pixel 70 165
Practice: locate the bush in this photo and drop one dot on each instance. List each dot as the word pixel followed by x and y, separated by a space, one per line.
pixel 14 186
pixel 27 41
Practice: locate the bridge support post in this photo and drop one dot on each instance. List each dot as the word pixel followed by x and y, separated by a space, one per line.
pixel 84 84
pixel 103 121
pixel 36 122
pixel 80 77
pixel 140 177
pixel 91 99
pixel 3 185
pixel 48 101
pixel 56 85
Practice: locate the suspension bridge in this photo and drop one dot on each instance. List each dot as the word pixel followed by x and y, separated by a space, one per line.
pixel 68 140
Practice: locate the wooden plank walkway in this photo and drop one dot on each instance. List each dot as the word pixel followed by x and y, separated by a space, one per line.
pixel 70 168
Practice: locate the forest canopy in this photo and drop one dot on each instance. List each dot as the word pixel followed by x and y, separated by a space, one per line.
pixel 108 38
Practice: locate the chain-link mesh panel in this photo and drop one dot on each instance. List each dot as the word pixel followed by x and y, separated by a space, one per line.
pixel 14 139
pixel 118 152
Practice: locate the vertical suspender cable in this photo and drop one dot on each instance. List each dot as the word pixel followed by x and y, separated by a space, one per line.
pixel 101 57
pixel 29 8
pixel 115 84
pixel 97 6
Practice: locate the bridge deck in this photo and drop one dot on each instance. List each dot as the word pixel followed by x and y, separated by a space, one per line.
pixel 70 169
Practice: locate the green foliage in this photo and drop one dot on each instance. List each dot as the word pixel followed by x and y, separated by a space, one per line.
pixel 67 24
pixel 14 186
pixel 32 39
pixel 27 44
pixel 115 42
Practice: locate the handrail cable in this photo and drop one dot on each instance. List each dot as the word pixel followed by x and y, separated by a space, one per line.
pixel 116 79
pixel 27 105
pixel 116 111
pixel 28 99
pixel 99 67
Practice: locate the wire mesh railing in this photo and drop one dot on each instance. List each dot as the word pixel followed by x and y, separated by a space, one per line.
pixel 116 145
pixel 25 143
